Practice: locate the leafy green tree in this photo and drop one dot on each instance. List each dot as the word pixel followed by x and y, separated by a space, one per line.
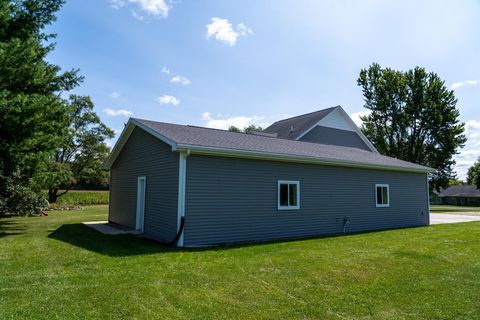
pixel 248 129
pixel 82 152
pixel 33 114
pixel 455 182
pixel 473 174
pixel 413 117
pixel 234 129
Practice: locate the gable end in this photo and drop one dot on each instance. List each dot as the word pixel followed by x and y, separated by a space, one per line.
pixel 127 131
pixel 339 120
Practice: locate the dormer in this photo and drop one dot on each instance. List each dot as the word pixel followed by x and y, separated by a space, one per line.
pixel 330 126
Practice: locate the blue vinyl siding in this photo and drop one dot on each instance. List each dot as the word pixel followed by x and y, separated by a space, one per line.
pixel 145 155
pixel 333 136
pixel 232 200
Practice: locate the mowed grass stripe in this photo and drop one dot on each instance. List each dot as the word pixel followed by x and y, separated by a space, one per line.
pixel 55 267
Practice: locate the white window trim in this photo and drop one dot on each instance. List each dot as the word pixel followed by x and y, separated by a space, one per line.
pixel 388 192
pixel 280 182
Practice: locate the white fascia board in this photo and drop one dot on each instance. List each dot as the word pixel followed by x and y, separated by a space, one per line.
pixel 315 125
pixel 155 134
pixel 357 130
pixel 127 131
pixel 336 119
pixel 352 124
pixel 292 158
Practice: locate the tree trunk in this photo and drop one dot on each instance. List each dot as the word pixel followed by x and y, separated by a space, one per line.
pixel 52 195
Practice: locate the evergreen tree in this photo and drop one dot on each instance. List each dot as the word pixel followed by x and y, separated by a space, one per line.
pixel 35 119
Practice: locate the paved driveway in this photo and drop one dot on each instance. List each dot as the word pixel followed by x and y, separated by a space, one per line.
pixel 438 218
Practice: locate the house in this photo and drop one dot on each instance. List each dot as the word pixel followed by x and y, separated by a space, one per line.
pixel 435 197
pixel 462 195
pixel 314 174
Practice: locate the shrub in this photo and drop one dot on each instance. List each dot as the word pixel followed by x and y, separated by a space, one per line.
pixel 19 198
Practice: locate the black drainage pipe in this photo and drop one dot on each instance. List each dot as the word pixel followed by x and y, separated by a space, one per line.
pixel 179 233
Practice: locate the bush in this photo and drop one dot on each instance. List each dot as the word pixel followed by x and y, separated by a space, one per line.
pixel 19 199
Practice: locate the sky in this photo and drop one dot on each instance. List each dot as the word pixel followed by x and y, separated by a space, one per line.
pixel 221 63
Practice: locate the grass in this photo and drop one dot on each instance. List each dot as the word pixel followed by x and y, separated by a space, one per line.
pixel 56 268
pixel 442 208
pixel 83 197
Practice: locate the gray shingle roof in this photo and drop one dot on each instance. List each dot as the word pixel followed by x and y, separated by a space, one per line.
pixel 468 191
pixel 184 136
pixel 299 124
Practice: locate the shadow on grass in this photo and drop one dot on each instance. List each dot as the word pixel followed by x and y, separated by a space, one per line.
pixel 87 238
pixel 81 236
pixel 10 228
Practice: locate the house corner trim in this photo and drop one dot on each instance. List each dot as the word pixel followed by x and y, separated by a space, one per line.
pixel 182 175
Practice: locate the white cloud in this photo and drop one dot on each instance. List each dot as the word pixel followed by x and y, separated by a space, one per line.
pixel 243 30
pixel 356 116
pixel 460 84
pixel 166 99
pixel 137 15
pixel 225 122
pixel 180 79
pixel 165 70
pixel 223 31
pixel 117 4
pixel 118 112
pixel 154 8
pixel 114 95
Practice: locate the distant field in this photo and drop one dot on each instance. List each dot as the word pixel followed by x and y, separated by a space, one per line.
pixel 449 208
pixel 84 197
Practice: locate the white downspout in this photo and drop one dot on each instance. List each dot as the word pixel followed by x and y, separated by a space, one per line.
pixel 428 198
pixel 182 175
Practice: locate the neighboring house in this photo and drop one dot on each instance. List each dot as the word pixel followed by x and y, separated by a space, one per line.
pixel 315 174
pixel 435 197
pixel 466 195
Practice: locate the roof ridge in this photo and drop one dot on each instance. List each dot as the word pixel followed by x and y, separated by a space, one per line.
pixel 278 138
pixel 206 128
pixel 226 130
pixel 306 114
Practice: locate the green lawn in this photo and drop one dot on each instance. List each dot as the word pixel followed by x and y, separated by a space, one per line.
pixel 55 268
pixel 452 209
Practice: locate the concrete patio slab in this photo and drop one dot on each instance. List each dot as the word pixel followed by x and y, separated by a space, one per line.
pixel 439 218
pixel 108 228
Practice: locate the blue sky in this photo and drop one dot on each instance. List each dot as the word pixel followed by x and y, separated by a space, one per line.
pixel 221 63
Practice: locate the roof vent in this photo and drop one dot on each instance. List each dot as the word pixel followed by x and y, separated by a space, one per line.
pixel 291 130
pixel 264 134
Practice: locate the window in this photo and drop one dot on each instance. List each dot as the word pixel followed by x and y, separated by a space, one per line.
pixel 382 195
pixel 288 195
